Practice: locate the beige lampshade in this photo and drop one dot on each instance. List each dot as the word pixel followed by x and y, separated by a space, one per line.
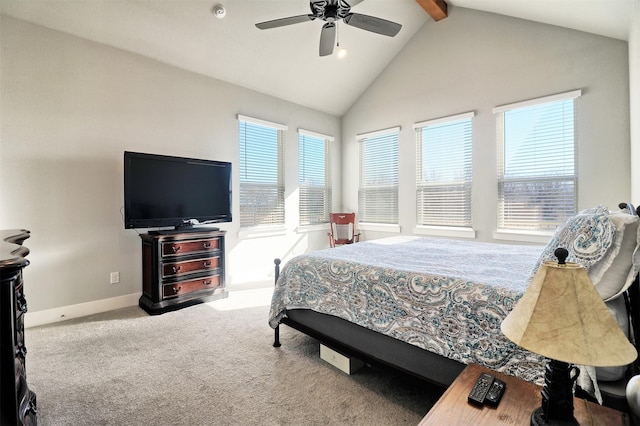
pixel 562 316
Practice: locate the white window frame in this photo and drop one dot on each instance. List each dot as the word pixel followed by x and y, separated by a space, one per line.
pixel 453 217
pixel 535 231
pixel 309 176
pixel 390 223
pixel 272 223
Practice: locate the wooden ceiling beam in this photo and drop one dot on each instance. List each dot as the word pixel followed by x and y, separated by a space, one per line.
pixel 437 9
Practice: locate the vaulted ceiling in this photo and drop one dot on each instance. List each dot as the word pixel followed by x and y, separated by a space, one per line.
pixel 284 61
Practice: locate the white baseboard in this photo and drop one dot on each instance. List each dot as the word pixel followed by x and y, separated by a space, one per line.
pixel 50 316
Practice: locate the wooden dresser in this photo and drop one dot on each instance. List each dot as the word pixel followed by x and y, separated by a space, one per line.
pixel 182 269
pixel 17 401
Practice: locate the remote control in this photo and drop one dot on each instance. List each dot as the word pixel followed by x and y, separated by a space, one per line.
pixel 480 389
pixel 495 392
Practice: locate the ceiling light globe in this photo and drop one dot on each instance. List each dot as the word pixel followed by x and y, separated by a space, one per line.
pixel 219 11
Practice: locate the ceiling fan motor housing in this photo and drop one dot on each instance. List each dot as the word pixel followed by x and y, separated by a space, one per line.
pixel 330 10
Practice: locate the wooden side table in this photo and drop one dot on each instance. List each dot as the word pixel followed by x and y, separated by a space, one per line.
pixel 519 400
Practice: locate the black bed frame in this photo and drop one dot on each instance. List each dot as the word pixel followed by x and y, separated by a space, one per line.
pixel 378 349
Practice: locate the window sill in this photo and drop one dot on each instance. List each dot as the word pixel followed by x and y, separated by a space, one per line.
pixel 383 227
pixel 261 231
pixel 523 236
pixel 445 231
pixel 302 229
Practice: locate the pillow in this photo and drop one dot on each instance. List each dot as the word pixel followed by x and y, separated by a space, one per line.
pixel 587 236
pixel 615 272
pixel 604 243
pixel 618 309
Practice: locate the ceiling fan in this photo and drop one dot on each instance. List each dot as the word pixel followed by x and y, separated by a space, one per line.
pixel 332 11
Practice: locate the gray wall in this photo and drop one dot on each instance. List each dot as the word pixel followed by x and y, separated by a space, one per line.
pixel 634 90
pixel 474 61
pixel 70 108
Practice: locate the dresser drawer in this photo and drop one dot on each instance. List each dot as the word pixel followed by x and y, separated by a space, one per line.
pixel 189 266
pixel 189 286
pixel 176 248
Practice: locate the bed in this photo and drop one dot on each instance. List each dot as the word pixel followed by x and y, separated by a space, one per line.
pixel 429 306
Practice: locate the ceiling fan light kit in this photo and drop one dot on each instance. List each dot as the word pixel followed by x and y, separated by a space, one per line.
pixel 332 11
pixel 219 11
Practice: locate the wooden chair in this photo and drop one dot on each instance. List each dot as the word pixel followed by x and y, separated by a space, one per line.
pixel 343 227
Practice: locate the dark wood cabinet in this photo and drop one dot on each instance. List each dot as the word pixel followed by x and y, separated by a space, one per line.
pixel 17 401
pixel 182 269
pixel 518 401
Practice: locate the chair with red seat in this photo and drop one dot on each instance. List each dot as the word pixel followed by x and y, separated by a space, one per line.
pixel 343 229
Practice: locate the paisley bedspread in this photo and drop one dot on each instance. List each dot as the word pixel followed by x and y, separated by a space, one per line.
pixel 445 296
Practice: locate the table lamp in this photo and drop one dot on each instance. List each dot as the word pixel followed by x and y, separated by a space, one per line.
pixel 562 317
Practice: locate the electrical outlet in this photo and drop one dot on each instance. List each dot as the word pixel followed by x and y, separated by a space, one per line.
pixel 114 277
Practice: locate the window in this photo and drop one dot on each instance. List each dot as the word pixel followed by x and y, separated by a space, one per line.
pixel 443 175
pixel 314 177
pixel 536 163
pixel 378 191
pixel 261 172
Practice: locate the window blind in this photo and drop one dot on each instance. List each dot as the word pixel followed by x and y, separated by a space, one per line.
pixel 443 171
pixel 314 177
pixel 378 188
pixel 537 163
pixel 261 172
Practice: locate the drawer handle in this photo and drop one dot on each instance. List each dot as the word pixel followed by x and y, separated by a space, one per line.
pixel 207 264
pixel 206 244
pixel 176 290
pixel 176 269
pixel 207 282
pixel 175 248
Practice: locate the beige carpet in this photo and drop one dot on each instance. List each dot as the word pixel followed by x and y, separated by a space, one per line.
pixel 210 364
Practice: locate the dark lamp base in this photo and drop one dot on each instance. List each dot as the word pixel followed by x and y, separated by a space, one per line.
pixel 557 395
pixel 537 419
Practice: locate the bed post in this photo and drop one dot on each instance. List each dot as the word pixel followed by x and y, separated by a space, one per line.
pixel 276 341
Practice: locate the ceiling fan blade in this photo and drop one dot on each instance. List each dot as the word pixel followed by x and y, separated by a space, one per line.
pixel 285 21
pixel 373 24
pixel 327 38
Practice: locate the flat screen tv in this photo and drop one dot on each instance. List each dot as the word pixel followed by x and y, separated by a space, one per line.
pixel 164 191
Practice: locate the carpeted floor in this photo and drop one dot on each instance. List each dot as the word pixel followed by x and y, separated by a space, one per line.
pixel 210 364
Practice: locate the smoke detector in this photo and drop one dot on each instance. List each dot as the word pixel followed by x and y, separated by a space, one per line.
pixel 219 11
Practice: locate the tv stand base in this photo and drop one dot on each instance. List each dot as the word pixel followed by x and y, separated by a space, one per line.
pixel 153 308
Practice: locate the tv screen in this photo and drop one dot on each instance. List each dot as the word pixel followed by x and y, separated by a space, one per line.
pixel 163 191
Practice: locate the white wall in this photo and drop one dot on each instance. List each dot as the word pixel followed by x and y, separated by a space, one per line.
pixel 69 109
pixel 634 91
pixel 474 61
